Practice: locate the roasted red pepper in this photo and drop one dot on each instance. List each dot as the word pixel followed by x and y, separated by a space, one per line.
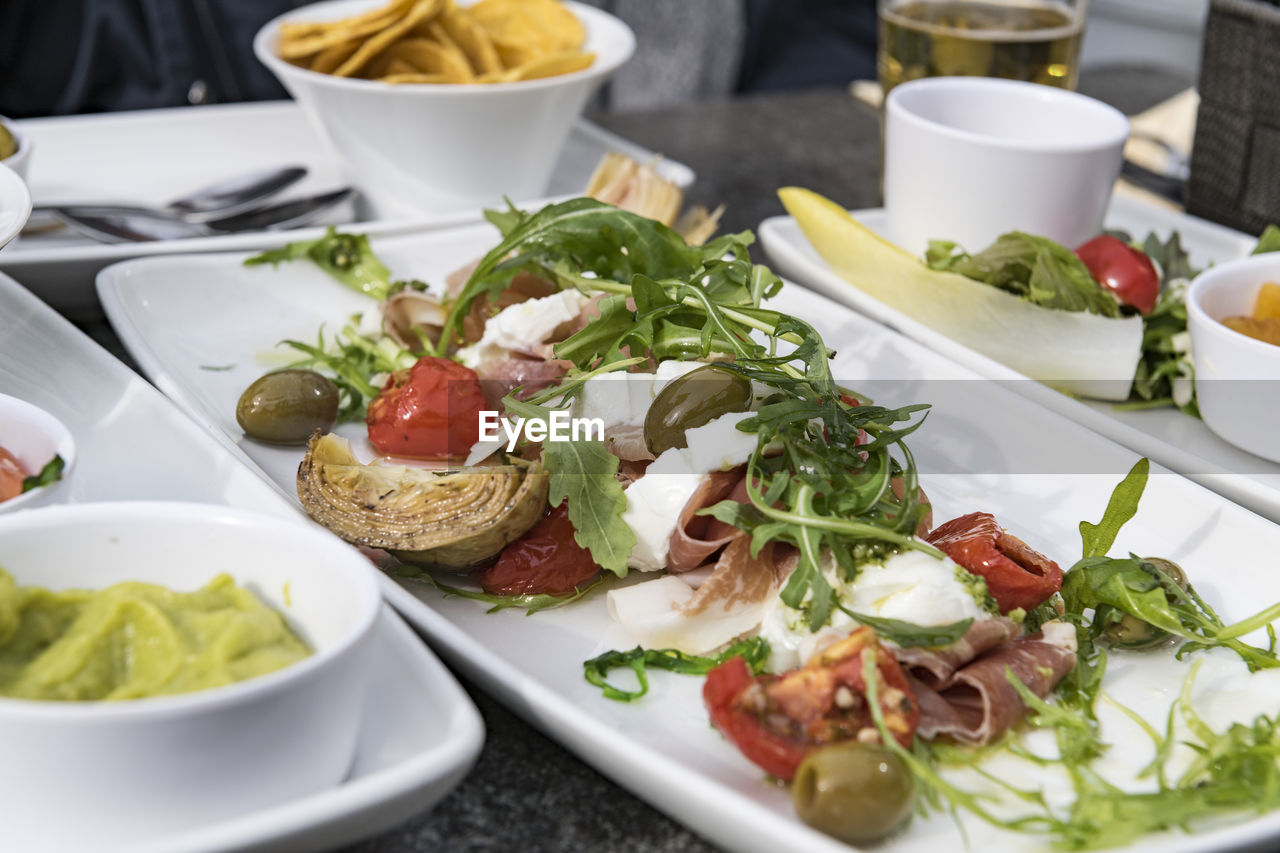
pixel 777 720
pixel 1016 574
pixel 546 559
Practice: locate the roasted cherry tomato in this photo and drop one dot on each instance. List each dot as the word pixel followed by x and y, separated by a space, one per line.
pixel 1016 574
pixel 546 559
pixel 777 720
pixel 432 410
pixel 1123 270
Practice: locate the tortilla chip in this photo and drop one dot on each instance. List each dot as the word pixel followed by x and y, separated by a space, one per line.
pixel 421 10
pixel 471 39
pixel 553 65
pixel 457 66
pixel 304 39
pixel 330 58
pixel 414 78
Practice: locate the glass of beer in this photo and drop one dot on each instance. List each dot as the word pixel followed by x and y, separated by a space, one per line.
pixel 1036 40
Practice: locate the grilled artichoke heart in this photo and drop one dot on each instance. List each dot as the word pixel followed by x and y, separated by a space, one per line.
pixel 452 519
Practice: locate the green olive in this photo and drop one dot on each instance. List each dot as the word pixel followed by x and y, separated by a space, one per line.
pixel 287 406
pixel 856 792
pixel 1126 631
pixel 689 401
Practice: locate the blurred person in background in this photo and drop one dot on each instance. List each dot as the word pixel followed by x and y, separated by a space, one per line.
pixel 64 57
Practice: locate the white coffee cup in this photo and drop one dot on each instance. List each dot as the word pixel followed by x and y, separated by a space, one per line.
pixel 970 158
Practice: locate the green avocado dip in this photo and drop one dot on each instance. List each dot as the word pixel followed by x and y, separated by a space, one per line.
pixel 134 640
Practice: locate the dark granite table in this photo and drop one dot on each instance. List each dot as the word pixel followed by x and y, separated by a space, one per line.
pixel 526 792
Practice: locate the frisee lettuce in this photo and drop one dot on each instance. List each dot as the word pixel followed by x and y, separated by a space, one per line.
pixel 753 650
pixel 346 257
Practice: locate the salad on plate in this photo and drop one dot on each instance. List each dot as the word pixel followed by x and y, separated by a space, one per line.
pixel 1105 320
pixel 601 413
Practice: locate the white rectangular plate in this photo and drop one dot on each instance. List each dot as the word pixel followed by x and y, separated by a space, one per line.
pixel 420 732
pixel 152 156
pixel 983 447
pixel 1175 440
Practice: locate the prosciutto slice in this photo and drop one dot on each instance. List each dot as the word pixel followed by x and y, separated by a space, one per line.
pixel 666 613
pixel 697 537
pixel 978 703
pixel 501 376
pixel 935 667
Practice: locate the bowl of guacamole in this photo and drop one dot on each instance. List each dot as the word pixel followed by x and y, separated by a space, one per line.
pixel 164 666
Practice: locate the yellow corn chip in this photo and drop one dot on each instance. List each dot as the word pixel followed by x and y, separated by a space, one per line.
pixel 298 40
pixel 553 65
pixel 331 57
pixel 471 39
pixel 420 11
pixel 414 78
pixel 457 66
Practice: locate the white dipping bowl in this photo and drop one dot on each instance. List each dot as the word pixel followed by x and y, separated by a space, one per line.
pixel 34 437
pixel 107 775
pixel 439 147
pixel 1237 377
pixel 970 158
pixel 20 160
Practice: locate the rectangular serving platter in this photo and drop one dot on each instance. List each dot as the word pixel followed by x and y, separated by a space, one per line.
pixel 420 733
pixel 152 156
pixel 1175 440
pixel 203 327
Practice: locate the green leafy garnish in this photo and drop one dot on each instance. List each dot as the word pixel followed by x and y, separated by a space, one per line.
pixel 1268 241
pixel 1123 505
pixel 755 650
pixel 346 257
pixel 352 362
pixel 50 473
pixel 827 483
pixel 908 634
pixel 1165 371
pixel 1036 268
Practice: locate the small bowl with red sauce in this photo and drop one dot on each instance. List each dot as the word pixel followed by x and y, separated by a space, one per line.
pixel 31 443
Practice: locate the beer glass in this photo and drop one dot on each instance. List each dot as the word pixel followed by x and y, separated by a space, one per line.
pixel 1036 40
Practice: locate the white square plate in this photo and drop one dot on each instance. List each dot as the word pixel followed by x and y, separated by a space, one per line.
pixel 982 448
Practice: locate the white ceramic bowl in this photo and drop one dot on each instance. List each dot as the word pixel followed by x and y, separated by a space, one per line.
pixel 970 158
pixel 1237 377
pixel 106 775
pixel 34 437
pixel 448 146
pixel 20 160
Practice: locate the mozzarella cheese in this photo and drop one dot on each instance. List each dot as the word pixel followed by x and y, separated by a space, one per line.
pixel 910 586
pixel 655 500
pixel 524 326
pixel 623 399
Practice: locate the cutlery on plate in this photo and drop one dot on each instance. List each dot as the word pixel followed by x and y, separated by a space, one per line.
pixel 222 198
pixel 145 226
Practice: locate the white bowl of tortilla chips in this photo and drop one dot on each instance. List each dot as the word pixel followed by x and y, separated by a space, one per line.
pixel 464 103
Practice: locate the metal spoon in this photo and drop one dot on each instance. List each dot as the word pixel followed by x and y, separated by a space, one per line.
pixel 224 198
pixel 145 226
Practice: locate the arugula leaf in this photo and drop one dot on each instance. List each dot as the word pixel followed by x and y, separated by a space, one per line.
pixel 50 473
pixel 584 474
pixel 1268 241
pixel 754 650
pixel 908 634
pixel 346 257
pixel 589 236
pixel 1123 505
pixel 1036 268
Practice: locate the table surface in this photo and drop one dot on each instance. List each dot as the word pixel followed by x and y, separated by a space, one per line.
pixel 527 792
